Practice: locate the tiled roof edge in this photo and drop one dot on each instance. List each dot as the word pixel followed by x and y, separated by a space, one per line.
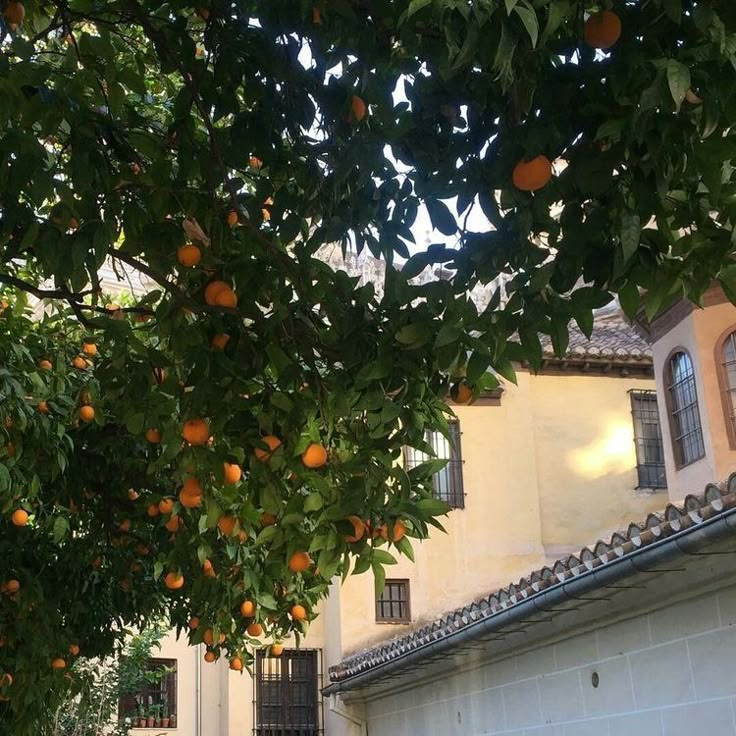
pixel 694 511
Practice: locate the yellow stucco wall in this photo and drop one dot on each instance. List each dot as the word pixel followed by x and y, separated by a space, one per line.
pixel 551 469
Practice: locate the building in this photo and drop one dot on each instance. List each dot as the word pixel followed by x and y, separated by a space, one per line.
pixel 536 470
pixel 632 635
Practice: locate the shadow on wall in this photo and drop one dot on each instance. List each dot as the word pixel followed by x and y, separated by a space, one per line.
pixel 611 452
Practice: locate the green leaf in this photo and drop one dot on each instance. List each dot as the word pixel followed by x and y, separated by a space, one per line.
pixel 678 79
pixel 433 507
pixel 61 528
pixel 727 279
pixel 630 234
pixel 629 298
pixel 416 5
pixel 447 335
pixel 510 5
pixel 477 366
pixel 441 217
pixel 530 21
pixel 379 578
pixel 414 335
pixel 673 10
pixel 383 557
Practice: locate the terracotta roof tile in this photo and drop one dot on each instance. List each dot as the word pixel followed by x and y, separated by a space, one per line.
pixel 694 510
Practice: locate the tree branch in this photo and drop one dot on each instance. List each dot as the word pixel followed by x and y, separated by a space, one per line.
pixel 6 278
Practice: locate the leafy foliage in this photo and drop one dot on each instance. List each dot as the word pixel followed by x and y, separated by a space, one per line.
pixel 100 685
pixel 130 128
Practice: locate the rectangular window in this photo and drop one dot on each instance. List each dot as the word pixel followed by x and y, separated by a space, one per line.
pixel 448 482
pixel 392 606
pixel 287 701
pixel 156 699
pixel 648 440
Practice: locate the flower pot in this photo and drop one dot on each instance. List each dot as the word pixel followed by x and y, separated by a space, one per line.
pixel 165 723
pixel 172 721
pixel 142 722
pixel 158 722
pixel 151 721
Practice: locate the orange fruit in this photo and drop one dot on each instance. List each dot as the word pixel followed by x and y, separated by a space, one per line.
pixel 174 581
pixel 133 495
pixel 209 638
pixel 190 495
pixel 298 612
pixel 220 341
pixel 141 550
pixel 152 510
pixel 602 30
pixel 272 442
pixel 212 290
pixel 79 363
pixel 74 650
pixel 10 587
pixel 210 657
pixel 461 393
pixel 43 407
pixel 45 365
pixel 86 414
pixel 153 436
pixel 268 519
pixel 254 629
pixel 247 609
pixel 188 255
pixel 315 456
pixel 166 505
pixel 529 176
pixel 19 517
pixel 208 569
pixel 358 526
pixel 316 17
pixel 125 525
pixel 236 664
pixel 14 13
pixel 299 562
pixel 232 473
pixel 232 218
pixel 357 109
pixel 58 664
pixel 97 563
pixel 399 530
pixel 89 348
pixel 226 298
pixel 255 162
pixel 174 524
pixel 226 524
pixel 135 567
pixel 193 622
pixel 276 650
pixel 196 432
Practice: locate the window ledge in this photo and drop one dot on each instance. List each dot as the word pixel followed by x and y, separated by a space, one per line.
pixel 644 491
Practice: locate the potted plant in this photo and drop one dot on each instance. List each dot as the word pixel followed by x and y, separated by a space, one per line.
pixel 165 721
pixel 141 716
pixel 172 720
pixel 152 716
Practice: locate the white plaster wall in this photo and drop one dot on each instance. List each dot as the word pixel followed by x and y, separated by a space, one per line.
pixel 666 673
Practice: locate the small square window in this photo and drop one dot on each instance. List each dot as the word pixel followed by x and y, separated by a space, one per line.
pixel 392 606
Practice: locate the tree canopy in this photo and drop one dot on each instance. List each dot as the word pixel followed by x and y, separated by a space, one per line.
pixel 222 444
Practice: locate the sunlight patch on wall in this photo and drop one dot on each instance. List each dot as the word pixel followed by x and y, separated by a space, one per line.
pixel 611 452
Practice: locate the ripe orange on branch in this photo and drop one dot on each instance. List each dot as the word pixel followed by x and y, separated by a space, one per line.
pixel 247 609
pixel 298 612
pixel 86 414
pixel 529 176
pixel 602 30
pixel 19 517
pixel 196 432
pixel 14 13
pixel 358 526
pixel 174 580
pixel 153 436
pixel 188 255
pixel 299 561
pixel 272 442
pixel 232 473
pixel 315 456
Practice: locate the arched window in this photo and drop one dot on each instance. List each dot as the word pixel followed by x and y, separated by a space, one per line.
pixel 687 434
pixel 726 360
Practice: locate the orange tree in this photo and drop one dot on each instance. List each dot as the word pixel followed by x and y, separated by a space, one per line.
pixel 221 447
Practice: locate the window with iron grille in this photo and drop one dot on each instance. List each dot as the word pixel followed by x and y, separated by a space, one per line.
pixel 687 434
pixel 157 698
pixel 392 606
pixel 648 440
pixel 728 384
pixel 448 482
pixel 287 701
